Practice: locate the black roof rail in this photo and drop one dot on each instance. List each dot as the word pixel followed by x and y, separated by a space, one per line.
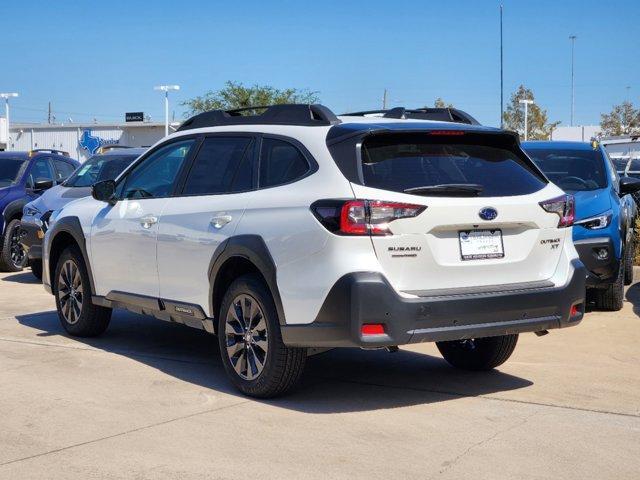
pixel 437 114
pixel 286 114
pixel 48 150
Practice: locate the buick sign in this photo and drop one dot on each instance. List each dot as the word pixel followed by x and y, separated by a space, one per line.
pixel 488 213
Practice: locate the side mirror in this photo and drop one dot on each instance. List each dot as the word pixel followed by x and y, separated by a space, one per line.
pixel 42 184
pixel 629 185
pixel 104 191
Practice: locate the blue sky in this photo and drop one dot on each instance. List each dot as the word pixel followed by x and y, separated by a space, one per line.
pixel 99 60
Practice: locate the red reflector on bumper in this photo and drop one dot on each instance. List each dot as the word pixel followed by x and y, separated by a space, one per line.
pixel 574 311
pixel 372 329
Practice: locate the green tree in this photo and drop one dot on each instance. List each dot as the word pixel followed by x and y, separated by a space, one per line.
pixel 440 103
pixel 624 119
pixel 236 95
pixel 538 125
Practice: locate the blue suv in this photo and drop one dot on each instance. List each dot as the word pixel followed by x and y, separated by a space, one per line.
pixel 24 176
pixel 603 231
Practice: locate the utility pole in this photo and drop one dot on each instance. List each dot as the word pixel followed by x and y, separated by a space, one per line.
pixel 384 100
pixel 501 74
pixel 526 104
pixel 573 44
pixel 49 114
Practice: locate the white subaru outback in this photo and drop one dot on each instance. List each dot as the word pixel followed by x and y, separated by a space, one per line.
pixel 294 230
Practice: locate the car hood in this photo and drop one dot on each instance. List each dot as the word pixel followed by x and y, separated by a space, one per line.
pixel 591 202
pixel 57 197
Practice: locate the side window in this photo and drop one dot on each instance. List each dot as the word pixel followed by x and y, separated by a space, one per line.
pixel 156 175
pixel 63 170
pixel 40 170
pixel 280 163
pixel 223 165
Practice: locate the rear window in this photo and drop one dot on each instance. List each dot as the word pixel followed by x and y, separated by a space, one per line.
pixel 404 162
pixel 572 169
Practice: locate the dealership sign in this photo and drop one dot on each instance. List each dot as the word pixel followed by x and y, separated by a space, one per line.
pixel 134 117
pixel 92 143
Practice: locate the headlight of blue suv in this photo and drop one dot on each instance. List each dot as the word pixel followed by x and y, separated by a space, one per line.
pixel 596 223
pixel 30 211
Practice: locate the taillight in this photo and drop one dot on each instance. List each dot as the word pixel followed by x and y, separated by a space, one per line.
pixel 564 206
pixel 362 217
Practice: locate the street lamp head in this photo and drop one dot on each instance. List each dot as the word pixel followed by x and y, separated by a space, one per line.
pixel 528 102
pixel 572 37
pixel 166 88
pixel 8 95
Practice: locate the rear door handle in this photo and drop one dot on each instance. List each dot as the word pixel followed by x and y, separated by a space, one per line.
pixel 148 221
pixel 220 221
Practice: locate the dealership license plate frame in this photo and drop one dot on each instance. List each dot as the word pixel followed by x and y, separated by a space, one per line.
pixel 494 234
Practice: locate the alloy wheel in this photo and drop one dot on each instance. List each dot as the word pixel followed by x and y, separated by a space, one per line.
pixel 18 254
pixel 70 292
pixel 246 337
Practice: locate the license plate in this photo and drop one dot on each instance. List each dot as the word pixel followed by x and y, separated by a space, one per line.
pixel 481 244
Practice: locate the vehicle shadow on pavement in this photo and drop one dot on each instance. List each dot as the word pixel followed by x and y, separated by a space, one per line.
pixel 633 297
pixel 22 277
pixel 337 381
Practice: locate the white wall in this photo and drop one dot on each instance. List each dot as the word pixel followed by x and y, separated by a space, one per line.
pixel 66 138
pixel 580 133
pixel 3 131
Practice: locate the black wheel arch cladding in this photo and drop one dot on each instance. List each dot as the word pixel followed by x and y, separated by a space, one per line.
pixel 251 248
pixel 69 226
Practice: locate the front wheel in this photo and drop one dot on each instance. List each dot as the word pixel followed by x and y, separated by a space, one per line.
pixel 629 255
pixel 253 354
pixel 36 268
pixel 12 257
pixel 478 353
pixel 612 297
pixel 72 289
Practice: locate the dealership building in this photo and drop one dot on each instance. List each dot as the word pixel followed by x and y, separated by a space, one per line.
pixel 80 140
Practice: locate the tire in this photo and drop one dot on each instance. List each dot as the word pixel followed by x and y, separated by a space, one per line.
pixel 629 255
pixel 480 353
pixel 13 257
pixel 36 268
pixel 72 289
pixel 244 350
pixel 612 297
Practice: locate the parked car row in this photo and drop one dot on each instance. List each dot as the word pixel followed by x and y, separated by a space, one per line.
pixel 286 230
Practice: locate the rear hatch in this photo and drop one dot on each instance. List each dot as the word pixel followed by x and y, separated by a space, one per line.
pixel 483 225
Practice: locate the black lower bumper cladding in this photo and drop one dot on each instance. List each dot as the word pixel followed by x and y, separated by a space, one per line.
pixel 368 298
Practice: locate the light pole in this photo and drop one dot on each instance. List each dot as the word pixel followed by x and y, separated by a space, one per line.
pixel 526 104
pixel 165 89
pixel 6 97
pixel 573 44
pixel 501 74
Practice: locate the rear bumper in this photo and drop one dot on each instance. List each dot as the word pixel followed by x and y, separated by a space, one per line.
pixel 600 271
pixel 366 297
pixel 31 240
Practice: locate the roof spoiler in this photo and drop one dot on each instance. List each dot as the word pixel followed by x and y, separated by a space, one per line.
pixel 436 114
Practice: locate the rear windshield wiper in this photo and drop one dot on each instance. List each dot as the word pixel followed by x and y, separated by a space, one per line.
pixel 448 189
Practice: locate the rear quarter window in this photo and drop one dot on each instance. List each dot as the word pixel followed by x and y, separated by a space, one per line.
pixel 401 162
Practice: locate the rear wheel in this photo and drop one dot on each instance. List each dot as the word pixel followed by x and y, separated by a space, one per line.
pixel 253 354
pixel 78 315
pixel 13 257
pixel 478 353
pixel 36 268
pixel 611 298
pixel 629 255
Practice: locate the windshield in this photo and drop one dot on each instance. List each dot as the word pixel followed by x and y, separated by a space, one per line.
pixel 99 168
pixel 572 169
pixel 449 167
pixel 10 170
